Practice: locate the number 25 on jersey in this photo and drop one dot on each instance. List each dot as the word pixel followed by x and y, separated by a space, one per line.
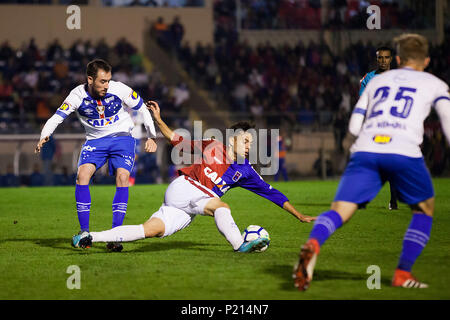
pixel 403 93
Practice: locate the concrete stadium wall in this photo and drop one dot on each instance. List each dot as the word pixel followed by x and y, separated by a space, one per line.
pixel 20 23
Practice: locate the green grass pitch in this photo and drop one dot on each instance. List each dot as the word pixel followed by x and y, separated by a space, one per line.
pixel 36 225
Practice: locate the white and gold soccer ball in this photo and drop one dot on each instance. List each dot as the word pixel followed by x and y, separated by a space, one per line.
pixel 253 232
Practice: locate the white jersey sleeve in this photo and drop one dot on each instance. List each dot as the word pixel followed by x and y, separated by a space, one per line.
pixel 133 101
pixel 395 107
pixel 442 106
pixel 69 105
pixel 129 97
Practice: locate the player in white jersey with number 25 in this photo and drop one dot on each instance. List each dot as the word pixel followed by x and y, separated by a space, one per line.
pixel 388 123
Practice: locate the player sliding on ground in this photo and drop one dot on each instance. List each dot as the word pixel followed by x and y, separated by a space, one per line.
pixel 388 122
pixel 198 189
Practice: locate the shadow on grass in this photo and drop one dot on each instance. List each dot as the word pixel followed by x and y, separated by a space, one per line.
pixel 57 243
pixel 284 272
pixel 304 204
pixel 161 245
pixel 149 245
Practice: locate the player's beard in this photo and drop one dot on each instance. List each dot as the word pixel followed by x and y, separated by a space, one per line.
pixel 98 94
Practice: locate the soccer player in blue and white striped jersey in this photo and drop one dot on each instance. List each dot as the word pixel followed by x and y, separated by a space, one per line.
pixel 102 107
pixel 388 126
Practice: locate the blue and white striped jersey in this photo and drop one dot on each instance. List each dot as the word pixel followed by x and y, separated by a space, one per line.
pixel 103 117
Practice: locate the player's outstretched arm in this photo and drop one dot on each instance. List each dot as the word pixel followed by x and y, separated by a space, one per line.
pixel 48 130
pixel 303 218
pixel 165 130
pixel 255 183
pixel 150 144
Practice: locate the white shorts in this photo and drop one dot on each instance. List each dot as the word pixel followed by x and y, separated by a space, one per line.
pixel 183 200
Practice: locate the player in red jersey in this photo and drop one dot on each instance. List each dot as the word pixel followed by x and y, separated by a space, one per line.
pixel 198 189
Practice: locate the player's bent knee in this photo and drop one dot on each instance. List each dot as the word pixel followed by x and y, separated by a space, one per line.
pixel 83 177
pixel 344 209
pixel 213 205
pixel 426 207
pixel 154 227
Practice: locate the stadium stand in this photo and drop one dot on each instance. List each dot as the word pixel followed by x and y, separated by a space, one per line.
pixel 305 87
pixel 34 81
pixel 315 14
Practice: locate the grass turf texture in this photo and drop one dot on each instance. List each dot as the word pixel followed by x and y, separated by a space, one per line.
pixel 36 225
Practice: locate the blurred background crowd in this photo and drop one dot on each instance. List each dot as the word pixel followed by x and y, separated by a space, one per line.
pixel 301 87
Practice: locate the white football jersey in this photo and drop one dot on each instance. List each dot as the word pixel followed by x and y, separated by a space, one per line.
pixel 102 117
pixel 138 120
pixel 106 116
pixel 389 116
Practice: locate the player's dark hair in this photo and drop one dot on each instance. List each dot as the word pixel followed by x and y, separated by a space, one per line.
pixel 385 48
pixel 95 65
pixel 243 125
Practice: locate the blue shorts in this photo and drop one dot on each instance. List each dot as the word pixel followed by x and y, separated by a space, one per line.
pixel 118 151
pixel 137 148
pixel 366 173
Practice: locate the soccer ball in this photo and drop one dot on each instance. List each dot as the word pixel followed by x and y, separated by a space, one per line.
pixel 254 232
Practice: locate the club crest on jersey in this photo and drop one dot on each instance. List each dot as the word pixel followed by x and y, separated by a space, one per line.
pixel 382 139
pixel 101 109
pixel 236 176
pixel 134 95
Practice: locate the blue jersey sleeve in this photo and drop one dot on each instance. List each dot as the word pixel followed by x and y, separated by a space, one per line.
pixel 255 183
pixel 363 84
pixel 364 81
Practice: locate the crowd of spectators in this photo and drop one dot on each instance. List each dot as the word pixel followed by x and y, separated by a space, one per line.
pixel 34 82
pixel 168 35
pixel 301 87
pixel 154 3
pixel 304 85
pixel 316 14
pixel 116 3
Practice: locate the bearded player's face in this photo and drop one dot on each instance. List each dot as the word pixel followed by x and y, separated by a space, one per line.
pixel 100 84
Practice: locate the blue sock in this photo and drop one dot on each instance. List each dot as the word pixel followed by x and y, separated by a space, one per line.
pixel 83 200
pixel 119 206
pixel 416 238
pixel 325 225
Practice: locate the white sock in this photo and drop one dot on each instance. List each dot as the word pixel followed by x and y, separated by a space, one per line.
pixel 119 234
pixel 227 227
